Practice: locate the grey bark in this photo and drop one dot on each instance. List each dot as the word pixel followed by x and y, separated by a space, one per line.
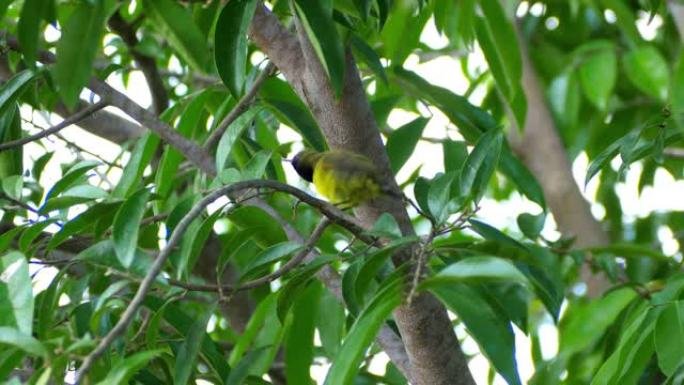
pixel 433 350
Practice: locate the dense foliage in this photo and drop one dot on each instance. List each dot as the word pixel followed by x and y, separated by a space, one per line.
pixel 257 288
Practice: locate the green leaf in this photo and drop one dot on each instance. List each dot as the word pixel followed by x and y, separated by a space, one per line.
pixel 39 165
pixel 499 43
pixel 18 339
pixel 70 177
pixel 477 269
pixel 598 72
pixel 181 321
pixel 402 141
pixel 31 233
pixel 74 195
pixel 564 98
pixel 677 89
pixel 493 234
pixel 368 55
pixel 76 50
pixel 13 88
pixel 363 331
pixel 11 160
pixel 241 370
pixel 401 33
pixel 369 268
pixel 47 304
pixel 270 255
pixel 626 21
pixel 386 226
pixel 16 293
pixel 471 120
pixel 266 231
pixel 8 236
pixel 589 322
pixel 140 159
pixel 438 196
pixel 531 225
pixel 316 17
pixel 669 334
pixel 289 293
pixel 232 134
pixel 491 331
pixel 81 222
pixel 189 349
pixel 28 28
pixel 181 32
pixel 12 186
pixel 648 71
pixel 256 167
pixel 188 123
pixel 455 155
pixel 126 368
pixel 480 165
pixel 629 250
pixel 289 109
pixel 256 322
pixel 330 323
pixel 299 343
pixel 127 226
pixel 230 53
pixel 633 352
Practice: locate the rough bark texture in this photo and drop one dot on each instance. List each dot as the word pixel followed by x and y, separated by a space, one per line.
pixel 347 122
pixel 541 149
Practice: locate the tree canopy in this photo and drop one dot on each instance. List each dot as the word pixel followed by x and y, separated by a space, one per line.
pixel 169 242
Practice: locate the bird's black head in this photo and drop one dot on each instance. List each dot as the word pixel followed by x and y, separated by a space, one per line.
pixel 304 163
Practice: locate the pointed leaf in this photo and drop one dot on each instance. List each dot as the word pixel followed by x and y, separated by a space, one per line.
pixel 127 226
pixel 316 18
pixel 231 53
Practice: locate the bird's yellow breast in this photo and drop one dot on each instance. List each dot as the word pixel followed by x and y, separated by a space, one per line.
pixel 346 181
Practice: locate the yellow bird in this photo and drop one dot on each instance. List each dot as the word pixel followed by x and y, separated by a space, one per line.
pixel 345 178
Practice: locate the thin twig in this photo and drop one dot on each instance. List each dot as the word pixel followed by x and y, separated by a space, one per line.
pixel 19 203
pixel 84 150
pixel 242 106
pixel 289 265
pixel 73 119
pixel 178 233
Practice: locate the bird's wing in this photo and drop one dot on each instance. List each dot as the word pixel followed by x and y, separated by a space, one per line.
pixel 350 164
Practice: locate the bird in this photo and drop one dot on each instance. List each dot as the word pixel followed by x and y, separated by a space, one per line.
pixel 345 178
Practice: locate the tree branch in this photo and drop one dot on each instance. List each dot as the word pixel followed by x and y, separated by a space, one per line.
pixel 188 148
pixel 242 106
pixel 160 98
pixel 389 341
pixel 348 123
pixel 156 267
pixel 73 119
pixel 289 265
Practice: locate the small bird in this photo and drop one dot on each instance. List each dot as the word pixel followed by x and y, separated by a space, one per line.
pixel 345 178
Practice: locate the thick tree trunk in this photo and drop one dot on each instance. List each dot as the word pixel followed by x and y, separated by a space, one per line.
pixel 347 122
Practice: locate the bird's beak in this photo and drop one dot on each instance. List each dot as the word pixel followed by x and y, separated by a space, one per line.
pixel 287 160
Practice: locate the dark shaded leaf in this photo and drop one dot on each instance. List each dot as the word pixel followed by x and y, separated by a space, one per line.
pixel 231 49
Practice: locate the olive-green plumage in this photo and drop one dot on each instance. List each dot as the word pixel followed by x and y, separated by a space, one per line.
pixel 345 178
